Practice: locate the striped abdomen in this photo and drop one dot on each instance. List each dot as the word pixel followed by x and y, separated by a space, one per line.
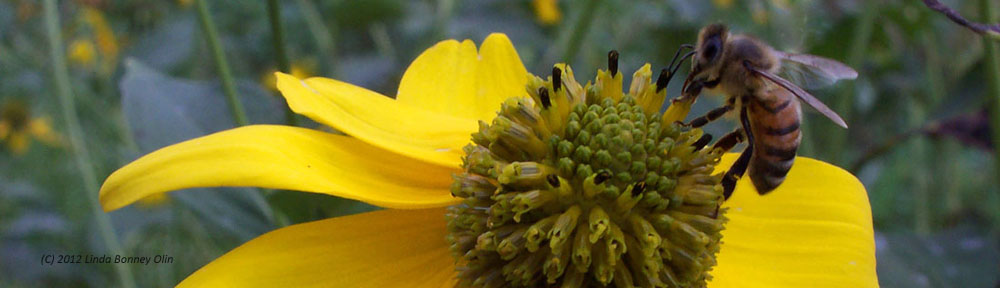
pixel 774 120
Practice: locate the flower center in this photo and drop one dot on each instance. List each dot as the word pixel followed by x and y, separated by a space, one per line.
pixel 15 113
pixel 586 185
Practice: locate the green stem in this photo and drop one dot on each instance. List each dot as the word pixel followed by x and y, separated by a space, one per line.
pixel 382 42
pixel 323 36
pixel 580 29
pixel 444 10
pixel 280 54
pixel 919 178
pixel 76 141
pixel 274 16
pixel 228 85
pixel 993 77
pixel 923 192
pixel 952 172
pixel 938 161
pixel 844 103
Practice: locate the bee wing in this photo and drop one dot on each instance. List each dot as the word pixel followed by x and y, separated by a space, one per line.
pixel 802 94
pixel 811 71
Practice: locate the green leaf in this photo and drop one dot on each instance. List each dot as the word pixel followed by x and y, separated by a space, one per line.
pixel 961 257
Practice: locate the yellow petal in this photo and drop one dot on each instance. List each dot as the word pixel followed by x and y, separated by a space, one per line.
pixel 82 52
pixel 283 157
pixel 18 142
pixel 815 230
pixel 41 129
pixel 547 11
pixel 451 78
pixel 388 248
pixel 4 129
pixel 104 36
pixel 678 109
pixel 724 4
pixel 379 120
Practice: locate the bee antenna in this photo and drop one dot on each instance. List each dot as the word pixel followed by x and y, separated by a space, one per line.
pixel 672 72
pixel 685 57
pixel 678 53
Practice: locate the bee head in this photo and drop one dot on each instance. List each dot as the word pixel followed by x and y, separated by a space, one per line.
pixel 709 49
pixel 710 44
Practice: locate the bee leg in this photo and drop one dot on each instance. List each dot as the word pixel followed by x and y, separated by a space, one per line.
pixel 740 166
pixel 692 90
pixel 701 142
pixel 736 171
pixel 710 116
pixel 729 141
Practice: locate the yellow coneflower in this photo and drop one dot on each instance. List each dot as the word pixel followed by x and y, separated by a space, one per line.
pixel 495 177
pixel 18 128
pixel 103 38
pixel 723 4
pixel 299 69
pixel 81 52
pixel 759 13
pixel 547 11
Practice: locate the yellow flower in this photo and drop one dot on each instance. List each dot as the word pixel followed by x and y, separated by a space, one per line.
pixel 82 52
pixel 103 37
pixel 17 128
pixel 299 70
pixel 547 11
pixel 813 231
pixel 724 4
pixel 759 14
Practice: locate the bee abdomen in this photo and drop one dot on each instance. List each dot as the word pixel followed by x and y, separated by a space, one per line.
pixel 775 124
pixel 774 154
pixel 767 174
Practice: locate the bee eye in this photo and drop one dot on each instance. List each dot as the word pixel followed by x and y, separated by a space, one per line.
pixel 711 49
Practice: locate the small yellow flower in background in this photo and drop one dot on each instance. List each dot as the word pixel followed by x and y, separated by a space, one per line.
pixel 185 3
pixel 759 13
pixel 299 69
pixel 82 52
pixel 402 154
pixel 723 4
pixel 547 11
pixel 101 36
pixel 18 128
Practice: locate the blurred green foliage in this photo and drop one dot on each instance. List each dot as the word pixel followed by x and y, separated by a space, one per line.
pixel 934 198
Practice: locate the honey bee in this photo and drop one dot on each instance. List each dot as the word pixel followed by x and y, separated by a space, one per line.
pixel 746 71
